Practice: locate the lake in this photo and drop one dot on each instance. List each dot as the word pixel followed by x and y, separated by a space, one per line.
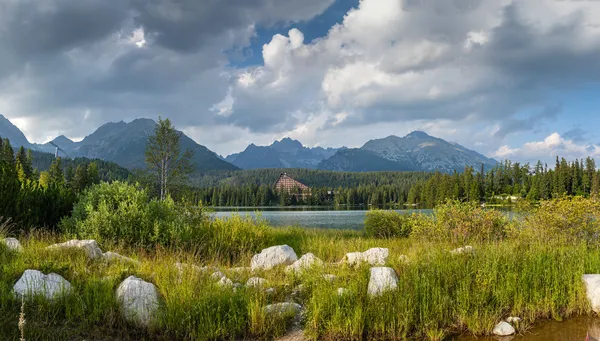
pixel 305 216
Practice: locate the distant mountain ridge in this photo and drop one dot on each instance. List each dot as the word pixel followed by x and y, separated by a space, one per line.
pixel 286 153
pixel 416 151
pixel 124 144
pixel 118 142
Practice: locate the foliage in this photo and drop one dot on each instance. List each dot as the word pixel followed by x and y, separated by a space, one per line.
pixel 163 156
pixel 461 223
pixel 438 294
pixel 570 219
pixel 387 224
pixel 28 201
pixel 123 213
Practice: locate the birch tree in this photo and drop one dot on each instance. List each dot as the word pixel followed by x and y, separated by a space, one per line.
pixel 164 158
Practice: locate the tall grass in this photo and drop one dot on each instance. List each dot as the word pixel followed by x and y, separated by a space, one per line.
pixel 439 293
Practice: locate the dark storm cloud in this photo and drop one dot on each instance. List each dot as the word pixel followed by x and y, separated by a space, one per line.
pixel 514 125
pixel 185 25
pixel 33 28
pixel 577 135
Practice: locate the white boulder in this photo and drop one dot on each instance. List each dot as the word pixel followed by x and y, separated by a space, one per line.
pixel 12 244
pixel 90 247
pixel 113 256
pixel 374 256
pixel 272 257
pixel 503 329
pixel 382 280
pixel 256 282
pixel 138 300
pixel 33 283
pixel 462 250
pixel 305 262
pixel 592 287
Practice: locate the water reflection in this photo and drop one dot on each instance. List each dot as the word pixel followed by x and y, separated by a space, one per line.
pixel 575 329
pixel 339 219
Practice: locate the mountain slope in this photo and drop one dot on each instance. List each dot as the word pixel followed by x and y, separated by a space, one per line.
pixel 118 142
pixel 125 144
pixel 11 132
pixel 416 151
pixel 359 160
pixel 286 153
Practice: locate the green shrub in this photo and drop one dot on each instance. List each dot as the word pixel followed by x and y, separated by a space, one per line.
pixel 387 224
pixel 121 213
pixel 569 219
pixel 460 223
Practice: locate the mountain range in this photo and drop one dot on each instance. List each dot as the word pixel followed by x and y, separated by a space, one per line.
pixel 124 144
pixel 118 142
pixel 286 153
pixel 416 151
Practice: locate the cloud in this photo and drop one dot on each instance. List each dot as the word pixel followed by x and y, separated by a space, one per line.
pixel 468 69
pixel 576 134
pixel 547 150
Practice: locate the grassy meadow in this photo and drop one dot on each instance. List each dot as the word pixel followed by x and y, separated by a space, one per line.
pixel 529 267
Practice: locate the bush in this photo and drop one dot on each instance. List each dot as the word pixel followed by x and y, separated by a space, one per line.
pixel 569 219
pixel 461 223
pixel 122 213
pixel 387 224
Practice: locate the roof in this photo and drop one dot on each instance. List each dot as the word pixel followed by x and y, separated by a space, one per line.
pixel 286 182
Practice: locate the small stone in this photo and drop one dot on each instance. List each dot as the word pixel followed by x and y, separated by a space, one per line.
pixel 256 282
pixel 305 262
pixel 34 282
pixel 138 300
pixel 283 308
pixel 462 250
pixel 382 280
pixel 113 256
pixel 374 256
pixel 503 329
pixel 225 282
pixel 217 275
pixel 329 277
pixel 513 319
pixel 273 256
pixel 13 244
pixel 342 291
pixel 270 291
pixel 90 247
pixel 403 259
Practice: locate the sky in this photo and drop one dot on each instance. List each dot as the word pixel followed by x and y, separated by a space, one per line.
pixel 512 79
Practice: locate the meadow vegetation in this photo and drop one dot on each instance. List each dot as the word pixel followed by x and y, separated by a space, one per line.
pixel 529 265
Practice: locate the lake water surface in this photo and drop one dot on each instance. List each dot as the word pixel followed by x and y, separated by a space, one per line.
pixel 574 329
pixel 311 217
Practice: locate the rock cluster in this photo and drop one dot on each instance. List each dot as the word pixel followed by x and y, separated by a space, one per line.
pixel 35 283
pixel 272 257
pixel 503 329
pixel 305 262
pixel 12 244
pixel 138 300
pixel 592 287
pixel 382 280
pixel 375 256
pixel 90 247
